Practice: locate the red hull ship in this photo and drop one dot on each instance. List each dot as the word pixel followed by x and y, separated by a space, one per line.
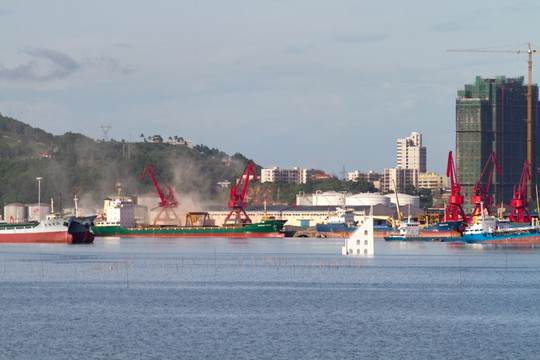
pixel 64 230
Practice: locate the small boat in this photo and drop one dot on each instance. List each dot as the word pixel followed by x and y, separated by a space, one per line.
pixel 341 221
pixel 410 231
pixel 64 230
pixel 487 229
pixel 407 230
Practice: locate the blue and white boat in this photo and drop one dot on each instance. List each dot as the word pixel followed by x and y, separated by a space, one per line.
pixel 341 221
pixel 487 229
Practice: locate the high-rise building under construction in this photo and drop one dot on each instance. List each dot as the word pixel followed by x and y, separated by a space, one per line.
pixel 491 116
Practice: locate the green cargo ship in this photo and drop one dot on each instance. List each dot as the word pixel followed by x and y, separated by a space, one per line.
pixel 265 228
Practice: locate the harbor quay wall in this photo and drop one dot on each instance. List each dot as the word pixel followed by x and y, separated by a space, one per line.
pixel 307 219
pixel 306 216
pixel 297 218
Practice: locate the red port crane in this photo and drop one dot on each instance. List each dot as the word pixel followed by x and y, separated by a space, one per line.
pixel 455 200
pixel 519 200
pixel 167 201
pixel 481 190
pixel 237 200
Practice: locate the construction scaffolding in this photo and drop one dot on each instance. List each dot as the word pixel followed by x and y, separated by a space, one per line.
pixel 491 117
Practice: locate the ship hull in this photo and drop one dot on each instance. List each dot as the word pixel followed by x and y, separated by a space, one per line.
pixel 525 239
pixel 68 230
pixel 489 230
pixel 420 238
pixel 335 230
pixel 265 229
pixel 438 232
pixel 80 229
pixel 426 235
pixel 57 237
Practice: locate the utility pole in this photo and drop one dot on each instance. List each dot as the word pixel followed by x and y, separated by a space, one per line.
pixel 39 178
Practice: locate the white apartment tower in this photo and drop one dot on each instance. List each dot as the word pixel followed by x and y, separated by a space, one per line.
pixel 411 162
pixel 411 154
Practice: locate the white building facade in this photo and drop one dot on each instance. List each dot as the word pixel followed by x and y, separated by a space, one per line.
pixel 411 154
pixel 400 177
pixel 433 181
pixel 294 175
pixel 411 161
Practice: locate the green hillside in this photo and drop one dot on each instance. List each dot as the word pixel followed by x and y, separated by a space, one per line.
pixel 73 164
pixel 76 165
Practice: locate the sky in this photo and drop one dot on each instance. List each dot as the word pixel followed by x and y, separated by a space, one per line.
pixel 318 84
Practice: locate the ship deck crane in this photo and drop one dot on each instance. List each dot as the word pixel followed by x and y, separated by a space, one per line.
pixel 529 99
pixel 237 200
pixel 480 197
pixel 396 222
pixel 455 209
pixel 167 201
pixel 519 201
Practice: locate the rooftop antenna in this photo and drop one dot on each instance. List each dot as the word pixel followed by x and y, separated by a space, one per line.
pixel 105 129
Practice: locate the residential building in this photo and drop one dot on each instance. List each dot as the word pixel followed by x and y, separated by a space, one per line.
pixel 491 117
pixel 306 174
pixel 400 177
pixel 294 175
pixel 410 162
pixel 432 181
pixel 370 176
pixel 411 154
pixel 276 174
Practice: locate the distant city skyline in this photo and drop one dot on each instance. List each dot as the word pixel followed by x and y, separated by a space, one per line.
pixel 316 85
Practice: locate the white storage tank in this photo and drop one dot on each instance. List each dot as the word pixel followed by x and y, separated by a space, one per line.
pixel 367 199
pixel 38 212
pixel 329 198
pixel 303 199
pixel 404 199
pixel 15 213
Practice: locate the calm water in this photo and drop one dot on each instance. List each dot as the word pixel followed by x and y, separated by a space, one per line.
pixel 267 299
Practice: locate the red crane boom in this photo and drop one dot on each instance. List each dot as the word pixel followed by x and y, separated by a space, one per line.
pixel 455 200
pixel 481 191
pixel 237 200
pixel 167 201
pixel 519 200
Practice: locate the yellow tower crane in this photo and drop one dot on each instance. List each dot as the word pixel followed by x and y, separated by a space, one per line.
pixel 529 98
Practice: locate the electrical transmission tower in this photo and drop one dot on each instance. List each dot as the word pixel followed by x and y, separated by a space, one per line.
pixel 105 129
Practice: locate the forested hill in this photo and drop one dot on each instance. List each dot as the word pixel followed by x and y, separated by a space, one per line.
pixel 18 140
pixel 74 164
